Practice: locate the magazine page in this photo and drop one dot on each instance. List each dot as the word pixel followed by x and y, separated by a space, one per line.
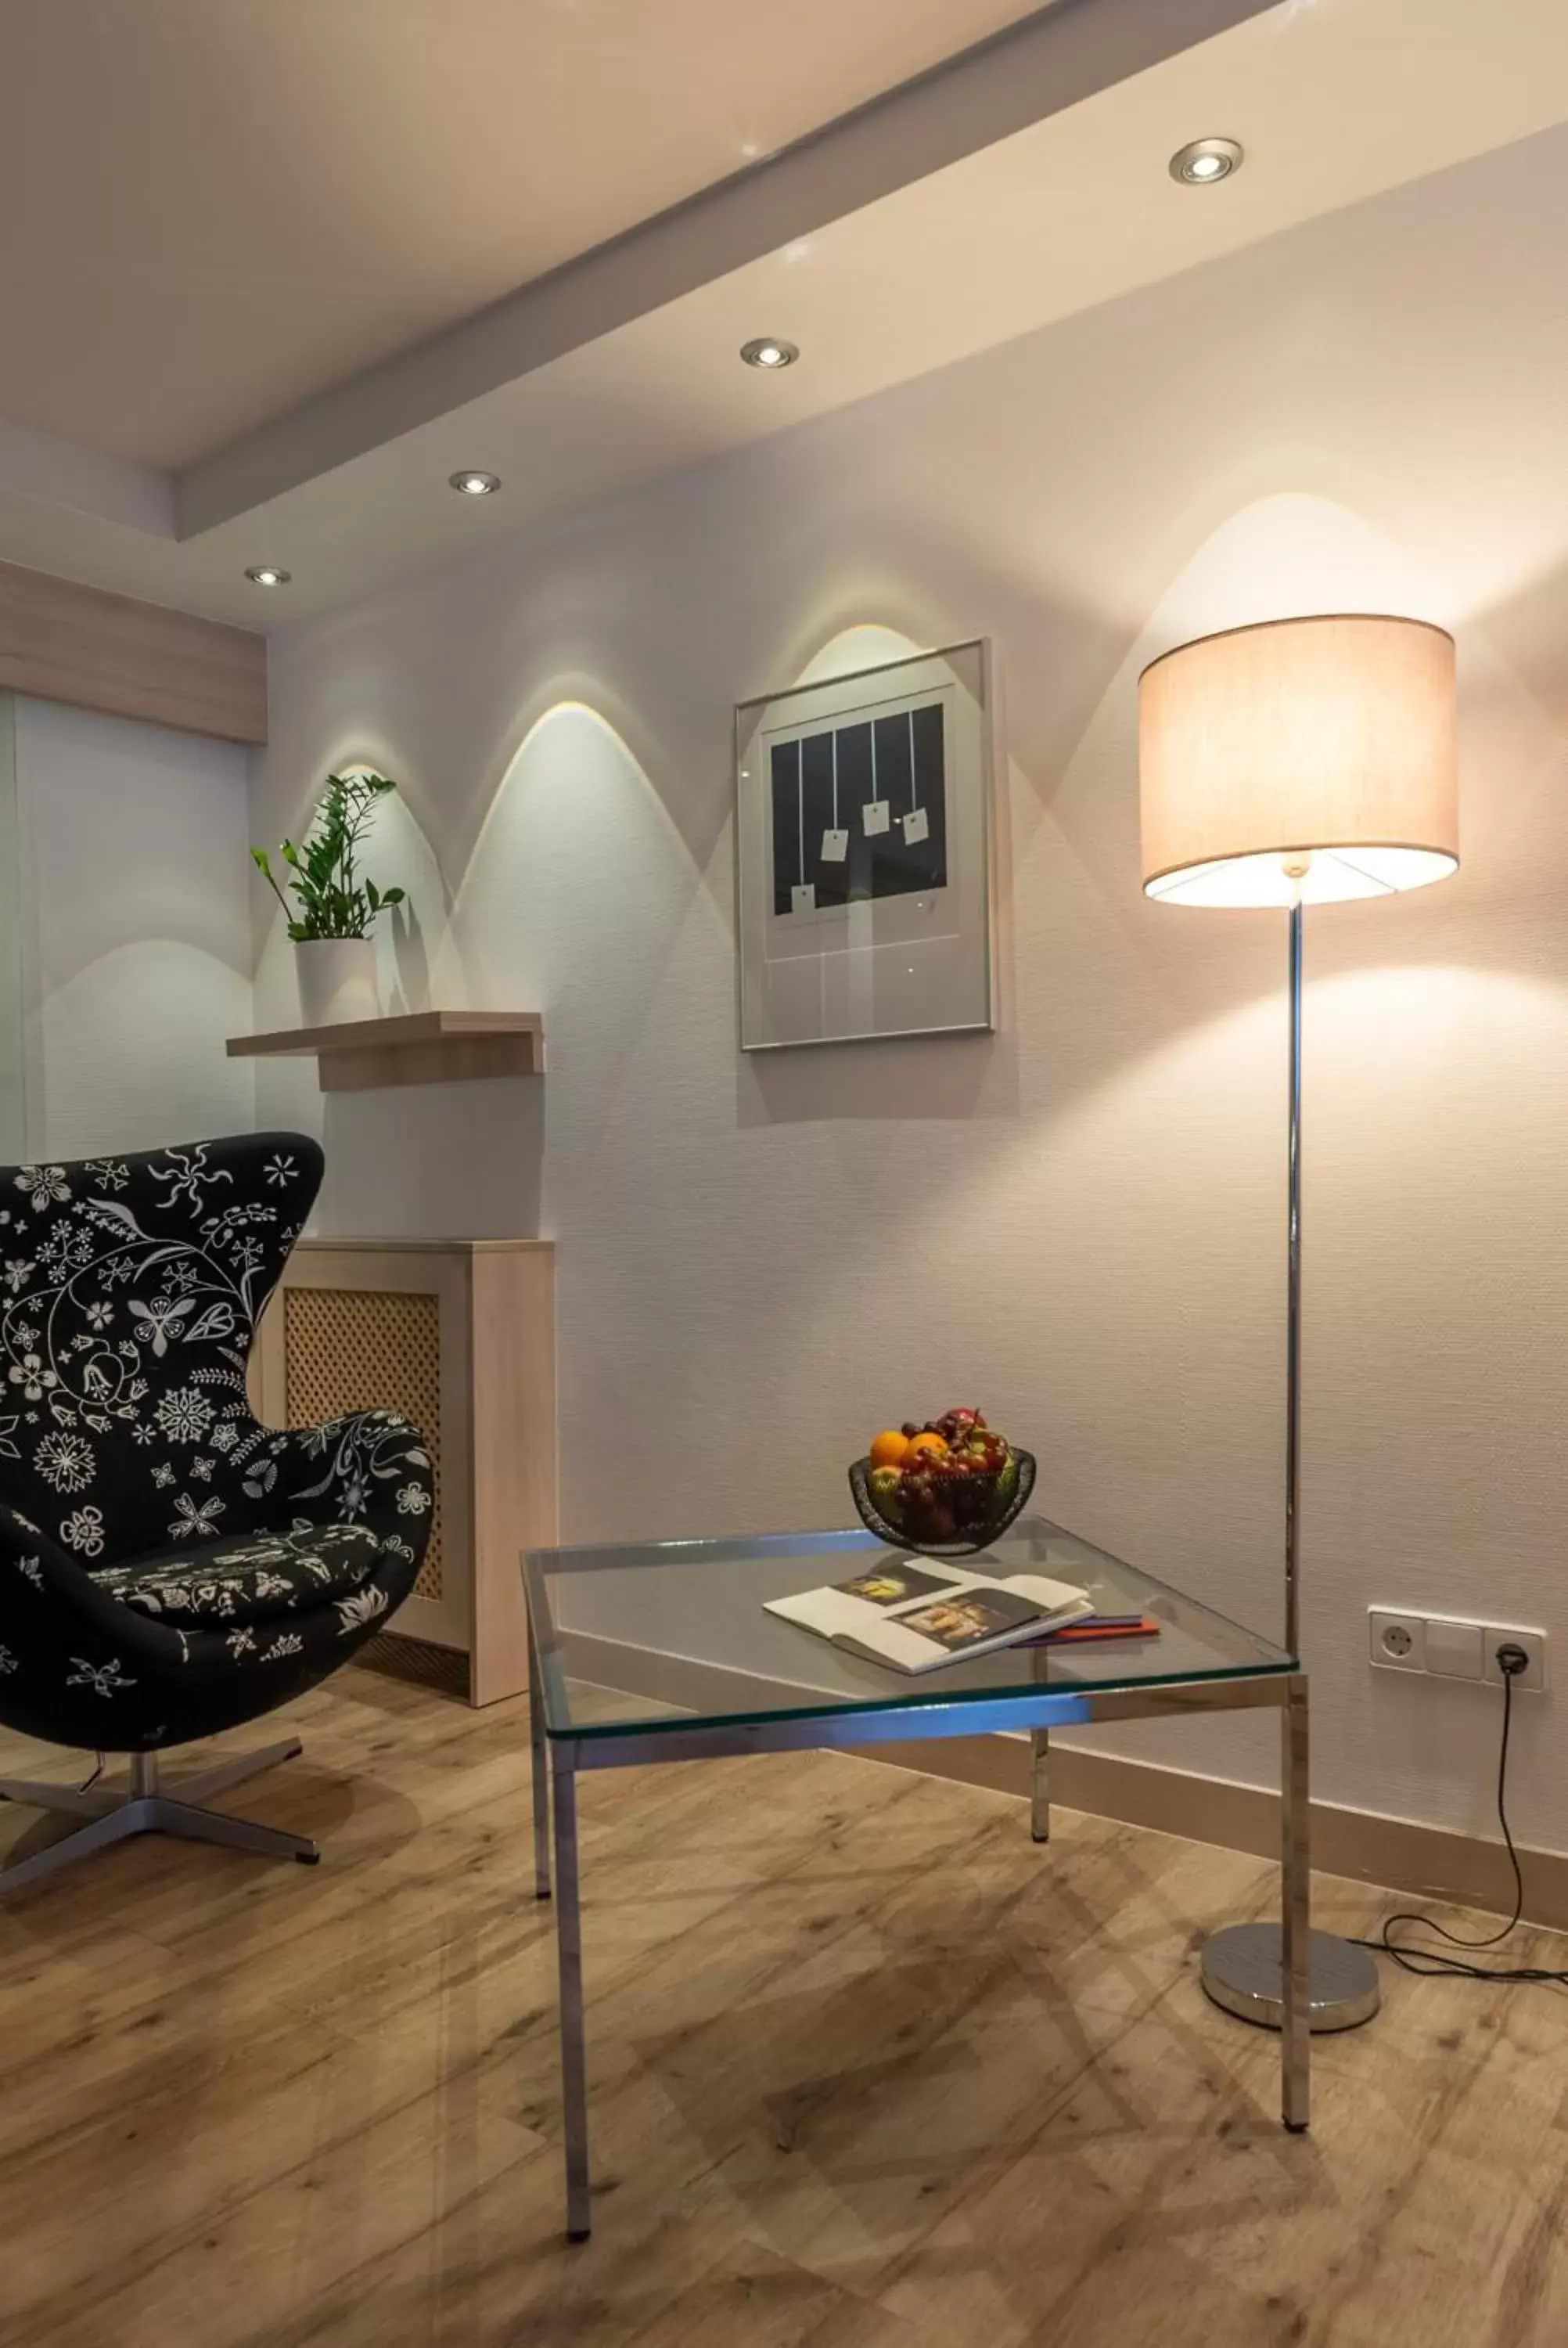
pixel 857 1604
pixel 957 1623
pixel 917 1615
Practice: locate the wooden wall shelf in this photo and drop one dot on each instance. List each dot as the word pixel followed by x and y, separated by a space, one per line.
pixel 422 1047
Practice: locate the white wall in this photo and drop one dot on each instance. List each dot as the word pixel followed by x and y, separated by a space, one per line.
pixel 134 859
pixel 1079 1222
pixel 12 1000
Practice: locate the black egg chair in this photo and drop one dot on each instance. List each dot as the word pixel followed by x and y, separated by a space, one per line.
pixel 168 1566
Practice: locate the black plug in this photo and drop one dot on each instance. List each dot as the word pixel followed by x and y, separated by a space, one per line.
pixel 1511 1659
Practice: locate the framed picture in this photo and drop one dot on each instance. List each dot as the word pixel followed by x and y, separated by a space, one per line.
pixel 862 825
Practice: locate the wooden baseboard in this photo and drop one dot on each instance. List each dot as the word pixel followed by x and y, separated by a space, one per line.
pixel 1425 1861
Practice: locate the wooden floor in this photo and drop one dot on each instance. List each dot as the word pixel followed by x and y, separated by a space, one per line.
pixel 869 2070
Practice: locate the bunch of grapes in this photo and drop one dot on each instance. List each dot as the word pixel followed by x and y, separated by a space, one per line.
pixel 944 1481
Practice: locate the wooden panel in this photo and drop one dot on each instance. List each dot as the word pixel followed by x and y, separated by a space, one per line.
pixel 459 1060
pixel 64 642
pixel 514 1454
pixel 432 1282
pixel 494 1304
pixel 348 1349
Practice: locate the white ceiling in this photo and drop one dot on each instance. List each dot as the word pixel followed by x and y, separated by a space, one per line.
pixel 210 210
pixel 617 370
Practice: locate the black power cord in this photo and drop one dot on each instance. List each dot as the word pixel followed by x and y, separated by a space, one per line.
pixel 1510 1662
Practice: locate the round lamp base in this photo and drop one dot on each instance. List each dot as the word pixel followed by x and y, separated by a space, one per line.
pixel 1243 1970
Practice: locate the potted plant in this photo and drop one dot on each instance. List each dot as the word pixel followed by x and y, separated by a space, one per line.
pixel 331 925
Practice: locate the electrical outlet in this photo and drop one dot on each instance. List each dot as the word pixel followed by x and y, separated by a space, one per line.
pixel 1446 1647
pixel 1399 1641
pixel 1531 1680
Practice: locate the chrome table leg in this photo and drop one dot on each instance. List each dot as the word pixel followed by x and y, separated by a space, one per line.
pixel 568 1948
pixel 1040 1785
pixel 538 1746
pixel 1295 1909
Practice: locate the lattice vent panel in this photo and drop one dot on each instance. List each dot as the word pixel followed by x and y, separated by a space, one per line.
pixel 368 1349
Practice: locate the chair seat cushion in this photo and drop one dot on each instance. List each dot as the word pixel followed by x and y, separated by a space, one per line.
pixel 252 1578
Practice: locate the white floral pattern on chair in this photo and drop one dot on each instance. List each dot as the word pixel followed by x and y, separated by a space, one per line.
pixel 163 1555
pixel 248 1580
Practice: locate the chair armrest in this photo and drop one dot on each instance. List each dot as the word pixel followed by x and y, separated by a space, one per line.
pixel 55 1618
pixel 370 1467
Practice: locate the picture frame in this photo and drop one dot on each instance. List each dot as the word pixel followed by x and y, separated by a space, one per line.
pixel 863 854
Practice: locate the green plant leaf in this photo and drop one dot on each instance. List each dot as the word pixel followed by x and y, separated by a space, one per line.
pixel 332 901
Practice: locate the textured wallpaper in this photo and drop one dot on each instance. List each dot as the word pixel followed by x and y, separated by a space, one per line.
pixel 1078 1222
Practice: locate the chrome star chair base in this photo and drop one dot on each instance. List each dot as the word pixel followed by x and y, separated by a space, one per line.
pixel 113 1813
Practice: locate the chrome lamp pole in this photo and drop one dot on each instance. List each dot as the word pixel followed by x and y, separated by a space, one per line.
pixel 1292 1304
pixel 1243 1964
pixel 1295 762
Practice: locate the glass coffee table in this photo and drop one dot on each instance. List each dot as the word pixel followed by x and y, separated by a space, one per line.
pixel 660 1651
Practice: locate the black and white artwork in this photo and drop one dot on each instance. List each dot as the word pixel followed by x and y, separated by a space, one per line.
pixel 822 783
pixel 863 847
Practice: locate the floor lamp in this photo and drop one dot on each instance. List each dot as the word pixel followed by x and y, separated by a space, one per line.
pixel 1295 763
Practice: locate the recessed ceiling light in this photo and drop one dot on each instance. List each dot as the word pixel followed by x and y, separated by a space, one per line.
pixel 769 351
pixel 267 574
pixel 469 484
pixel 1205 160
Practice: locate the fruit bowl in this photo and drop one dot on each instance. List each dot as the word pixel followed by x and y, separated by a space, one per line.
pixel 1012 1492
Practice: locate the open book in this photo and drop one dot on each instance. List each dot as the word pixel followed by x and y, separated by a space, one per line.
pixel 917 1616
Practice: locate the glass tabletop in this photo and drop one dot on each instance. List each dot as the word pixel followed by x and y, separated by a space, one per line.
pixel 674 1634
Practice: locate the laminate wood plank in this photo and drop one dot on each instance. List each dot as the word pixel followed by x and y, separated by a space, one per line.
pixel 1163 2183
pixel 64 642
pixel 356 2182
pixel 869 2069
pixel 754 2294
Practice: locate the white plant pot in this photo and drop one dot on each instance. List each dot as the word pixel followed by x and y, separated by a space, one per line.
pixel 337 981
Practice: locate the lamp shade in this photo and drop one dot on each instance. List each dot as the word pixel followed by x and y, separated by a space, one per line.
pixel 1299 760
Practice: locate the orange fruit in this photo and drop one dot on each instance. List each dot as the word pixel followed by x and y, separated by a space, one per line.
pixel 889 1449
pixel 926 1445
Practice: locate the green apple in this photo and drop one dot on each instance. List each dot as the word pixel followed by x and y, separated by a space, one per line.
pixel 885 1487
